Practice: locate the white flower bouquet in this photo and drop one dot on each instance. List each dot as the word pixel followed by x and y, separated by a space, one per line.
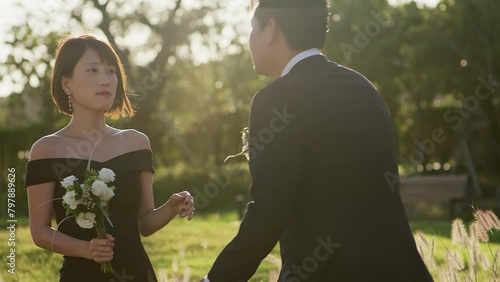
pixel 244 149
pixel 89 202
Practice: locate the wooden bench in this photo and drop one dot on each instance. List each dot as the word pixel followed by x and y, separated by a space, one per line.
pixel 424 195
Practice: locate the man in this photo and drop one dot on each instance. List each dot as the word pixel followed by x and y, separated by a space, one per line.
pixel 321 150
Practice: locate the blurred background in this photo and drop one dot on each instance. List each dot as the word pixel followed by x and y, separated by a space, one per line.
pixel 437 65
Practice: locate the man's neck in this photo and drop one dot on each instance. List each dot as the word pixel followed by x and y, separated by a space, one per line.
pixel 282 59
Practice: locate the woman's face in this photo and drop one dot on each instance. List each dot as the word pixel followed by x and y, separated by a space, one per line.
pixel 93 84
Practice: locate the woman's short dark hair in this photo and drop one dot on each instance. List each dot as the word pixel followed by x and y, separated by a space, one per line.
pixel 304 23
pixel 68 53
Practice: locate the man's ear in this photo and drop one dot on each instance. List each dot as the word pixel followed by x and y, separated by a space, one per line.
pixel 273 32
pixel 66 84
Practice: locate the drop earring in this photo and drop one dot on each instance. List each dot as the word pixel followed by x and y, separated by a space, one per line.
pixel 70 107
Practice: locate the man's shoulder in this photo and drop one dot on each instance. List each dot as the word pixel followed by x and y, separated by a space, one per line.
pixel 318 76
pixel 276 92
pixel 319 69
pixel 314 81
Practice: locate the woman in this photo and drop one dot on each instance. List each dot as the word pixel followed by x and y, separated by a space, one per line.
pixel 88 83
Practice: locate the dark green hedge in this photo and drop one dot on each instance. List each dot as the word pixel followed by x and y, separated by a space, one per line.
pixel 215 189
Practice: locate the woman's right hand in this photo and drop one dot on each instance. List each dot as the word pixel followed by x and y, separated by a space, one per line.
pixel 101 250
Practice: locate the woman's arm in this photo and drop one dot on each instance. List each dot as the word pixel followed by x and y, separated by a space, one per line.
pixel 46 237
pixel 150 219
pixel 40 207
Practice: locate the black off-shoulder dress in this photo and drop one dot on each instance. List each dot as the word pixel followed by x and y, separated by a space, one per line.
pixel 130 261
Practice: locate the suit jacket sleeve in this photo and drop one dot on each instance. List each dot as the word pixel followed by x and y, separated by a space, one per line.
pixel 276 153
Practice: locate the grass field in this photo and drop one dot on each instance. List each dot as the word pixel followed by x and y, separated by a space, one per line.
pixel 183 251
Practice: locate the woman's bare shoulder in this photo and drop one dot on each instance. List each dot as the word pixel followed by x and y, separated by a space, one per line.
pixel 136 139
pixel 46 147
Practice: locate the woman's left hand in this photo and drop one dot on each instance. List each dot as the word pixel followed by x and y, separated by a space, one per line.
pixel 182 203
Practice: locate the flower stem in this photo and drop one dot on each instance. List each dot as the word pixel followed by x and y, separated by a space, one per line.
pixel 100 229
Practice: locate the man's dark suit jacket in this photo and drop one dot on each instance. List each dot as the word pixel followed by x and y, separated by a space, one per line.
pixel 323 165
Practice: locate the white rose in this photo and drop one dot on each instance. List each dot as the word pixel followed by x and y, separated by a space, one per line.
pixel 99 188
pixel 106 175
pixel 86 220
pixel 70 199
pixel 68 181
pixel 108 194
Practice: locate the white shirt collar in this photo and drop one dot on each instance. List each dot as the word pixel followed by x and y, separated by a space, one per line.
pixel 299 57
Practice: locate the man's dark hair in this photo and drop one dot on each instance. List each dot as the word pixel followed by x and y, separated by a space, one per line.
pixel 304 23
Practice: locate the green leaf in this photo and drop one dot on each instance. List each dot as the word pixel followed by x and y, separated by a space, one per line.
pixel 105 213
pixel 89 182
pixel 78 189
pixel 233 156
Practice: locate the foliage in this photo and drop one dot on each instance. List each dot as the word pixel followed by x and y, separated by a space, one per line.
pixel 215 189
pixel 427 62
pixel 469 261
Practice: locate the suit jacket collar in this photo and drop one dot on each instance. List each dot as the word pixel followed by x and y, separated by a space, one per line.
pixel 299 57
pixel 309 65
